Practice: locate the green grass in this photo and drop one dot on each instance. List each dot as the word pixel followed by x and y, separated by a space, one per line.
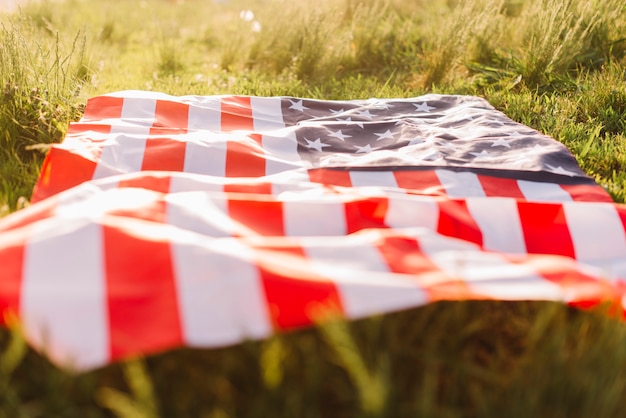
pixel 558 66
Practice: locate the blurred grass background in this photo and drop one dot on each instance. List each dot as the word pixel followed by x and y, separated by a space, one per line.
pixel 557 66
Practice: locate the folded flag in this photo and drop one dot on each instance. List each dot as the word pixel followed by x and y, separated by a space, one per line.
pixel 165 221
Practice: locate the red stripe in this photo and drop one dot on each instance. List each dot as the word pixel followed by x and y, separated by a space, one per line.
pixel 330 177
pixel 456 221
pixel 236 114
pixel 156 182
pixel 621 212
pixel 142 303
pixel 61 170
pixel 245 159
pixel 295 295
pixel 23 218
pixel 545 229
pixel 366 213
pixel 404 256
pixel 582 290
pixel 11 273
pixel 257 217
pixel 420 182
pixel 76 128
pixel 164 154
pixel 169 115
pixel 253 188
pixel 587 193
pixel 155 211
pixel 103 107
pixel 500 187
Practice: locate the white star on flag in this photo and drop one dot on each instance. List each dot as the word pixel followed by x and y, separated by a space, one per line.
pixel 316 145
pixel 379 104
pixel 366 149
pixel 298 105
pixel 339 135
pixel 480 155
pixel 349 119
pixel 560 170
pixel 423 107
pixel 364 114
pixel 385 135
pixel 500 143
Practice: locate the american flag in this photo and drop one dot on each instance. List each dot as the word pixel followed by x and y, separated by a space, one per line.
pixel 165 221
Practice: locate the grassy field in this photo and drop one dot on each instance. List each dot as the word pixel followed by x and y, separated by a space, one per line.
pixel 557 66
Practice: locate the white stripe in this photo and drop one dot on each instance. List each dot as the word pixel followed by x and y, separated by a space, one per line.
pixel 373 178
pixel 535 191
pixel 598 235
pixel 187 182
pixel 86 201
pixel 63 303
pixel 461 184
pixel 498 220
pixel 121 154
pixel 362 277
pixel 205 113
pixel 104 184
pixel 138 112
pixel 205 155
pixel 218 308
pixel 488 274
pixel 125 127
pixel 132 128
pixel 291 181
pixel 267 113
pixel 281 152
pixel 123 151
pixel 201 213
pixel 412 211
pixel 491 275
pixel 314 218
